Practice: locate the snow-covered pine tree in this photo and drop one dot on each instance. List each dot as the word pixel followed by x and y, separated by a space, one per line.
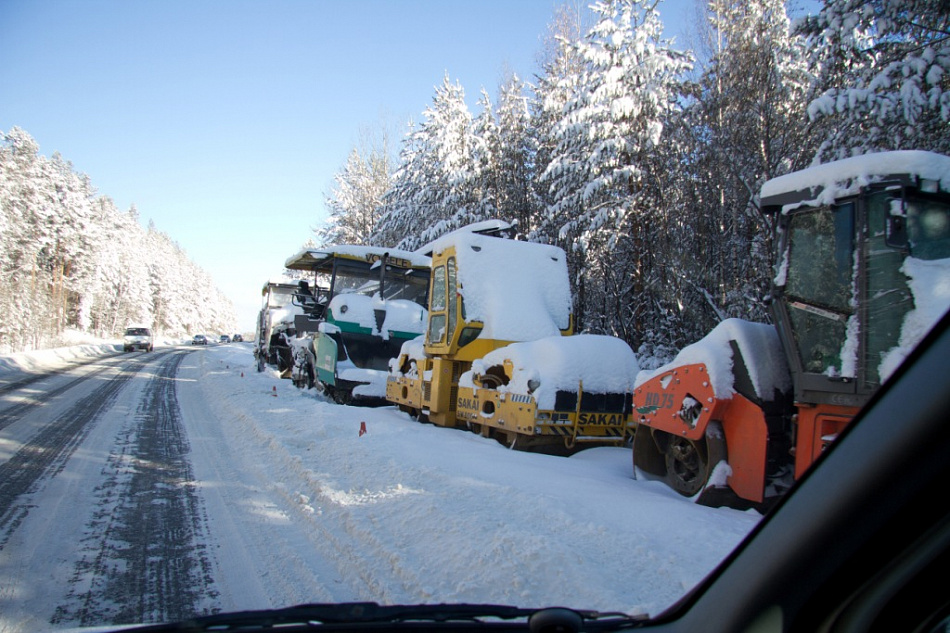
pixel 433 191
pixel 600 178
pixel 70 259
pixel 356 201
pixel 883 75
pixel 744 125
pixel 516 149
pixel 21 192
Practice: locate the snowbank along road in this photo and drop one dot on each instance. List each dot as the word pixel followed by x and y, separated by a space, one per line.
pixel 154 486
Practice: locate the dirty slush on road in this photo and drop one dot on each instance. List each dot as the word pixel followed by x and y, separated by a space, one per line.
pixel 142 555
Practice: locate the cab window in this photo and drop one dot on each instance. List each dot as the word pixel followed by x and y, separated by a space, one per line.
pixel 819 285
pixel 437 307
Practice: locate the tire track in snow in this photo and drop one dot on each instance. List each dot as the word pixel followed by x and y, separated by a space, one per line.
pixel 262 558
pixel 351 546
pixel 29 380
pixel 13 413
pixel 50 449
pixel 144 557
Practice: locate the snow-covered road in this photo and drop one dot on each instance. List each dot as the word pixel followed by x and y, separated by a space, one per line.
pixel 233 490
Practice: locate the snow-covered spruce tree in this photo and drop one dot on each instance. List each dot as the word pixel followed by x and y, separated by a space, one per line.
pixel 744 124
pixel 556 86
pixel 432 190
pixel 399 217
pixel 483 186
pixel 516 148
pixel 883 75
pixel 356 201
pixel 602 176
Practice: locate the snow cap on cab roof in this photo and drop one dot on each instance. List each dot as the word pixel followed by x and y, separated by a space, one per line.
pixel 518 290
pixel 822 184
pixel 278 282
pixel 485 227
pixel 307 258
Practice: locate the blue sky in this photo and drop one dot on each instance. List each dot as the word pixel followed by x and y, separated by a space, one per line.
pixel 224 122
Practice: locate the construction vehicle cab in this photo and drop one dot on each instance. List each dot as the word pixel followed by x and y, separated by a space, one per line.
pixel 862 270
pixel 275 323
pixel 498 349
pixel 357 308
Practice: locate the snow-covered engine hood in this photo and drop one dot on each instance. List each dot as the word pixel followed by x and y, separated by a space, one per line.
pixel 400 315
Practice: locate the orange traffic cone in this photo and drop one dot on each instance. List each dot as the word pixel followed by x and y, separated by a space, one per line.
pixel 362 429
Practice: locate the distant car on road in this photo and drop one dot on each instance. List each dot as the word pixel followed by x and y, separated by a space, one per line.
pixel 224 339
pixel 137 338
pixel 237 338
pixel 200 339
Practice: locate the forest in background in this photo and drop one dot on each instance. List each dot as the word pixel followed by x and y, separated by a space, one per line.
pixel 644 161
pixel 69 259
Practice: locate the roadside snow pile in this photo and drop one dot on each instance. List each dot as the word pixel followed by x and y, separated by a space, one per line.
pixel 57 358
pixel 519 290
pixel 760 347
pixel 76 347
pixel 930 284
pixel 600 364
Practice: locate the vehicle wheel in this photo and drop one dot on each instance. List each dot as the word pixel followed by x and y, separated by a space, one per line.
pixel 342 396
pixel 311 376
pixel 686 467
